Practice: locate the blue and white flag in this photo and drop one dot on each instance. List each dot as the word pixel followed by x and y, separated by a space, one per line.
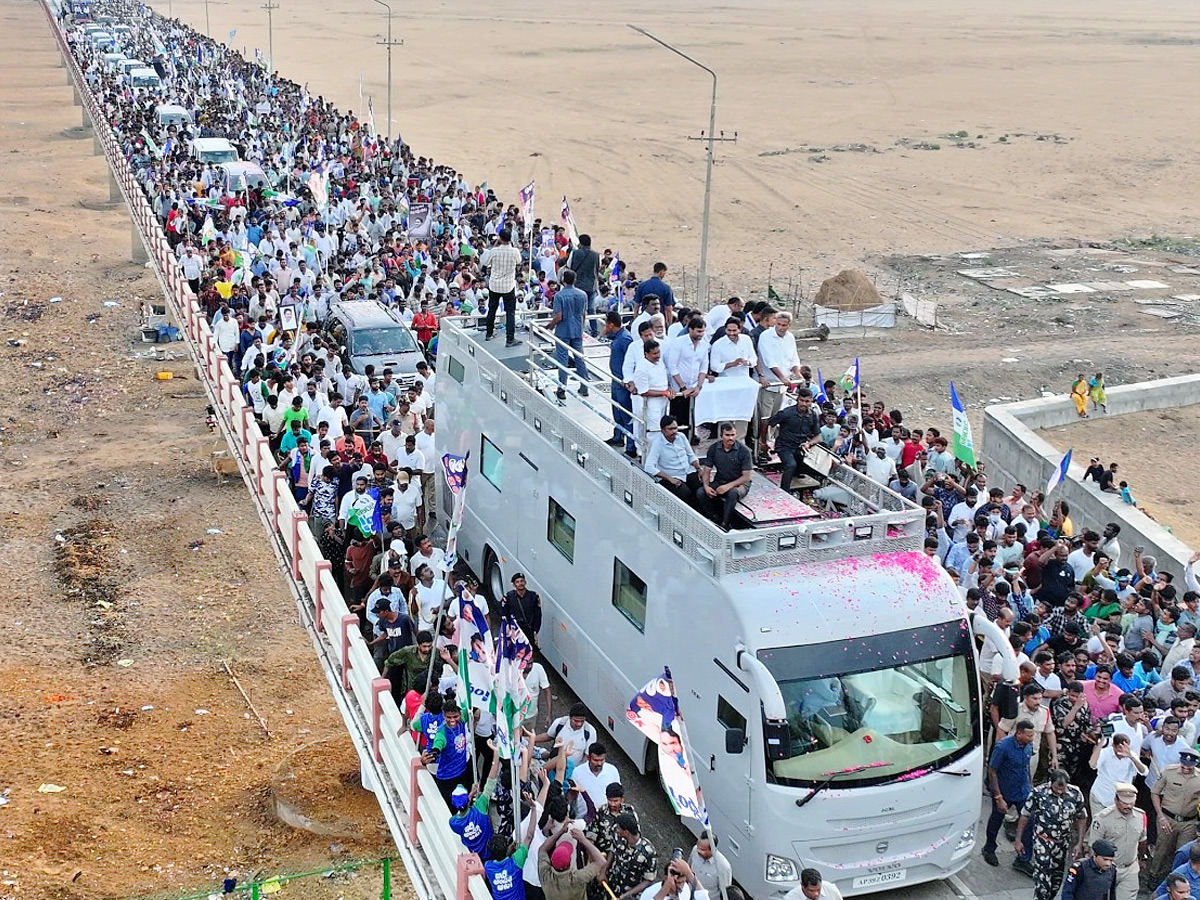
pixel 526 197
pixel 1059 474
pixel 455 469
pixel 232 34
pixel 820 396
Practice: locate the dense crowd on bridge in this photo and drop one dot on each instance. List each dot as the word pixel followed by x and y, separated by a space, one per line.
pixel 1093 767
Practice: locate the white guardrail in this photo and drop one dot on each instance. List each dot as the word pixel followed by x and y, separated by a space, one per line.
pixel 415 812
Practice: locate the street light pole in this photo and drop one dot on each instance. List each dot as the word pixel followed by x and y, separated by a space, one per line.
pixel 269 6
pixel 389 43
pixel 702 279
pixel 207 23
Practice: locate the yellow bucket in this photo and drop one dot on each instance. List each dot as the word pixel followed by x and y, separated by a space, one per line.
pixel 164 375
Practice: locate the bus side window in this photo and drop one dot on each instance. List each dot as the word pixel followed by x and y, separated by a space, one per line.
pixel 734 724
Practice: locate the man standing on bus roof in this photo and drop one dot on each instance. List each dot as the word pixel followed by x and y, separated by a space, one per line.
pixel 1008 779
pixel 570 309
pixel 503 260
pixel 799 430
pixel 725 476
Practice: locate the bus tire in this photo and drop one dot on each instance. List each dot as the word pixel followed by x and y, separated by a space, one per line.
pixel 493 578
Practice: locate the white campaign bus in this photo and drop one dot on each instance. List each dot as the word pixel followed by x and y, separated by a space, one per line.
pixel 825 666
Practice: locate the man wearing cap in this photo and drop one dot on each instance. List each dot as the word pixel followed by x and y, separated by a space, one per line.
pixel 470 819
pixel 1124 826
pixel 1059 818
pixel 1093 878
pixel 1175 796
pixel 556 858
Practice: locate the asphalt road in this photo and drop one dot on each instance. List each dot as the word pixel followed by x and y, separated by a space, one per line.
pixel 978 881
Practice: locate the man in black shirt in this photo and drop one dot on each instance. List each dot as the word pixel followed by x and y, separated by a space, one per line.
pixel 724 476
pixel 799 429
pixel 525 606
pixel 1058 578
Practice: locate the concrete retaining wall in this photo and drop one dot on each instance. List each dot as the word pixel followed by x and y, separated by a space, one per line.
pixel 1014 453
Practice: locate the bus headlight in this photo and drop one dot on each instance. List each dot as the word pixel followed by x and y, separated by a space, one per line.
pixel 780 868
pixel 966 840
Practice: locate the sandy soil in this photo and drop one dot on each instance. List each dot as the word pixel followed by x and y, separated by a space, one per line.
pixel 119 605
pixel 1068 116
pixel 1140 443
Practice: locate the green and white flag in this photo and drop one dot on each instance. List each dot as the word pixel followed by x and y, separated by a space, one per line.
pixel 964 444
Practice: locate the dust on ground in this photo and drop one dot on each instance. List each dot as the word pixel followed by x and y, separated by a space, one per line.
pixel 130 576
pixel 1146 446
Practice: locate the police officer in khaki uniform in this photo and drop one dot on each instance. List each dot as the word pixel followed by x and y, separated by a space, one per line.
pixel 1175 797
pixel 1124 826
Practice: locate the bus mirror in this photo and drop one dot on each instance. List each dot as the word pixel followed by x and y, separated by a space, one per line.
pixel 735 740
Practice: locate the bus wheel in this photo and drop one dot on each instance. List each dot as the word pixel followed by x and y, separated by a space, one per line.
pixel 493 578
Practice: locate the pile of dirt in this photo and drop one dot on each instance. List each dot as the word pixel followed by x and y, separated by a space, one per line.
pixel 318 789
pixel 848 291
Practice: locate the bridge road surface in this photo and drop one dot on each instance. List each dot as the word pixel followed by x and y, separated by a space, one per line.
pixel 664 829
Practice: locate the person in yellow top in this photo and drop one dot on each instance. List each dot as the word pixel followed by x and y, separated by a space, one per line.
pixel 1097 392
pixel 1079 395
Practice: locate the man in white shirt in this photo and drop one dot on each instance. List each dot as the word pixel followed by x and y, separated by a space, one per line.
pixel 503 260
pixel 406 504
pixel 192 266
pixel 425 554
pixel 334 415
pixel 962 516
pixel 779 364
pixel 410 457
pixel 595 777
pixel 732 354
pixel 393 442
pixel 813 887
pixel 686 359
pixel 1081 560
pixel 654 392
pixel 572 729
pixel 427 445
pixel 880 467
pixel 716 318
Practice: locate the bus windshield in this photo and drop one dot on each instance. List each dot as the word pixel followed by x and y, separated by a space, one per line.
pixel 904 701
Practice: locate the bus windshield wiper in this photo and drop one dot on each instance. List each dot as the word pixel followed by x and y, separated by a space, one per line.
pixel 831 777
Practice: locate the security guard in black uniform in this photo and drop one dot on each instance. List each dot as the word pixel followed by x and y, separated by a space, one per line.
pixel 1093 878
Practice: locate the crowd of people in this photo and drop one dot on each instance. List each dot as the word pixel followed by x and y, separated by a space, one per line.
pixel 1092 744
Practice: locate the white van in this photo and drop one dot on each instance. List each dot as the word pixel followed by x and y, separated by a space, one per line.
pixel 100 39
pixel 214 150
pixel 167 114
pixel 144 78
pixel 128 65
pixel 114 60
pixel 241 176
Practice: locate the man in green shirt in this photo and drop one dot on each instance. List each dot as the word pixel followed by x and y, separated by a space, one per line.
pixel 408 666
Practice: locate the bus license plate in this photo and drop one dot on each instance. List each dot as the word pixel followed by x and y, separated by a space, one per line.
pixel 866 881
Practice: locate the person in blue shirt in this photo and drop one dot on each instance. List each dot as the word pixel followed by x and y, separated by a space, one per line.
pixel 470 819
pixel 1189 870
pixel 1008 780
pixel 449 749
pixel 656 287
pixel 570 309
pixel 503 867
pixel 426 726
pixel 620 341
